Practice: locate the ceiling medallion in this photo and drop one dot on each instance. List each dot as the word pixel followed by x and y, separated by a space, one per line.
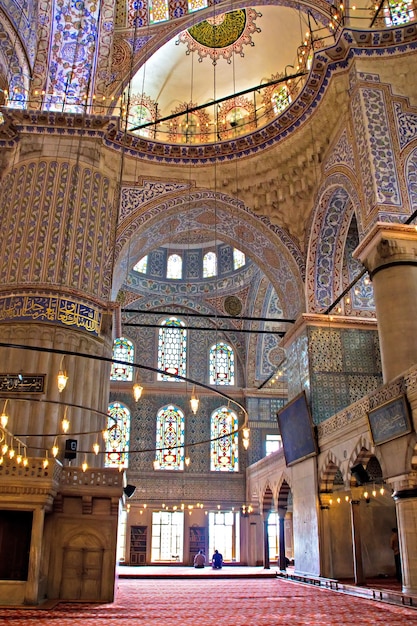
pixel 232 305
pixel 221 36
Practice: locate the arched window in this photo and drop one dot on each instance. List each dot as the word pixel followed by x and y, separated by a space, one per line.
pixel 172 349
pixel 239 259
pixel 280 99
pixel 209 265
pixel 142 265
pixel 398 12
pixel 118 429
pixel 158 11
pixel 196 5
pixel 174 267
pixel 222 364
pixel 224 446
pixel 123 350
pixel 170 438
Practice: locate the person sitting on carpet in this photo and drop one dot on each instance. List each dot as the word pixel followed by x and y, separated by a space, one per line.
pixel 199 559
pixel 217 560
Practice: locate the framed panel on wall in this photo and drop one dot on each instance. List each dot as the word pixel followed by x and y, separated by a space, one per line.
pixel 389 420
pixel 297 430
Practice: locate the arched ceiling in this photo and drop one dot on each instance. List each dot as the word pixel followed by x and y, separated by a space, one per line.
pixel 185 70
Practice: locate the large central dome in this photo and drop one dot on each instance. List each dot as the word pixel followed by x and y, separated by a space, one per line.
pixel 226 75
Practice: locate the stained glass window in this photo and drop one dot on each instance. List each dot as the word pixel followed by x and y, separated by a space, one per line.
pixel 239 259
pixel 172 349
pixel 396 13
pixel 158 11
pixel 195 5
pixel 224 446
pixel 209 265
pixel 118 428
pixel 142 265
pixel 174 266
pixel 222 364
pixel 280 99
pixel 123 350
pixel 170 438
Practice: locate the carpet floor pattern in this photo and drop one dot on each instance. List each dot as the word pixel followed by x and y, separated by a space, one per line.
pixel 231 602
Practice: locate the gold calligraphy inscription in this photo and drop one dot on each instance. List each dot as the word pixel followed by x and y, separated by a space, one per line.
pixel 50 309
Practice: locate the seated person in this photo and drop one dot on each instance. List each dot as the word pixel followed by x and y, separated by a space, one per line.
pixel 199 559
pixel 217 560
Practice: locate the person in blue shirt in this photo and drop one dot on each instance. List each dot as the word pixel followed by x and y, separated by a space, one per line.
pixel 217 560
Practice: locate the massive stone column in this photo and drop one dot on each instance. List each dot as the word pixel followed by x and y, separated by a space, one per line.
pixel 389 252
pixel 58 212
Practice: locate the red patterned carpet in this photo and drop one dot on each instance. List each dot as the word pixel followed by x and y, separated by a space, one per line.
pixel 227 602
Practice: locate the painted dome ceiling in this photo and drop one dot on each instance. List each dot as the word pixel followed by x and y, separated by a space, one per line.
pixel 229 54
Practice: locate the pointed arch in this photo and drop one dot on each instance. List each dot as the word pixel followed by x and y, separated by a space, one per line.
pixel 329 471
pixel 150 224
pixel 267 502
pixel 338 202
pixel 169 440
pixel 283 493
pixel 123 350
pixel 224 446
pixel 118 439
pixel 172 349
pixel 221 364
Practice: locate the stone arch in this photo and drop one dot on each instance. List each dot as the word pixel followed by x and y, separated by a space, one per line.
pixel 13 64
pixel 283 492
pixel 411 178
pixel 338 202
pixel 361 454
pixel 214 215
pixel 328 473
pixel 267 500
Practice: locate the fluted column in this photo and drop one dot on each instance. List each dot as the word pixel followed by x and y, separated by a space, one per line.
pixel 266 543
pixel 389 252
pixel 356 541
pixel 406 508
pixel 32 586
pixel 57 228
pixel 326 549
pixel 281 517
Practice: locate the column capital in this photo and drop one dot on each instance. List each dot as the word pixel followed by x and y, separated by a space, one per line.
pixel 403 484
pixel 387 244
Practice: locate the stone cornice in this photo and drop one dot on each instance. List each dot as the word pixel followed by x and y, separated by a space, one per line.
pixel 326 321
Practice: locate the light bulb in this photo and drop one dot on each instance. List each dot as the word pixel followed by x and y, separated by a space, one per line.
pixel 55 450
pixel 84 466
pixel 65 425
pixel 96 448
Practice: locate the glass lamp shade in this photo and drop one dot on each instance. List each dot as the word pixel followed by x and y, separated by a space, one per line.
pixel 3 420
pixel 61 380
pixel 194 402
pixel 137 391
